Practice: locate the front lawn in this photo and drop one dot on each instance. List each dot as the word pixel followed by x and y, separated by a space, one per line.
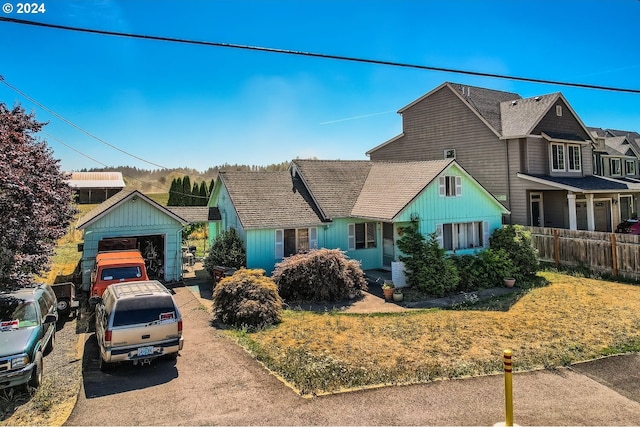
pixel 570 320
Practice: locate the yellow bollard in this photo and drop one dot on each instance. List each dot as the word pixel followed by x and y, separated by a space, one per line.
pixel 508 389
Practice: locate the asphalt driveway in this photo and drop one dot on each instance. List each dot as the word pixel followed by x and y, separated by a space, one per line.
pixel 215 382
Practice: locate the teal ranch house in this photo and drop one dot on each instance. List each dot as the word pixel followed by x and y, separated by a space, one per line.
pixel 353 205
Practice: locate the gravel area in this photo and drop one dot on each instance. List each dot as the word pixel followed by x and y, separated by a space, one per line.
pixel 53 401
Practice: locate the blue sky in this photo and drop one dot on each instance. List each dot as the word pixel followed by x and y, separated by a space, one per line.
pixel 180 105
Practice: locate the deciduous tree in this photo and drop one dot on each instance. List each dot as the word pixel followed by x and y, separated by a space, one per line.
pixel 35 198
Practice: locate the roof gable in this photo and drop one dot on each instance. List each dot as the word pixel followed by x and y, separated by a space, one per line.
pixel 118 199
pixel 519 117
pixel 399 182
pixel 334 185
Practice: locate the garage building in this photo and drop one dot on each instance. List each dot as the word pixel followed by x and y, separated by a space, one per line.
pixel 129 219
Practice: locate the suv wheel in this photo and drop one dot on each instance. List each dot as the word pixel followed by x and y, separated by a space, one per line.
pixel 36 374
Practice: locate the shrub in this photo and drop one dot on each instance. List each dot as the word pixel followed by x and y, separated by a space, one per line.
pixel 516 241
pixel 322 275
pixel 426 264
pixel 247 299
pixel 226 250
pixel 483 270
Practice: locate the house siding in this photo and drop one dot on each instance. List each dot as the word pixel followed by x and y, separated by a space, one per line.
pixel 429 130
pixel 134 218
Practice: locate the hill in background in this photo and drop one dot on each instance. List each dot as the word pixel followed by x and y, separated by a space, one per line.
pixel 159 180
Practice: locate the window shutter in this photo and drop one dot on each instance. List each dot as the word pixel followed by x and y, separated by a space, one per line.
pixel 313 238
pixel 442 188
pixel 458 186
pixel 439 235
pixel 279 247
pixel 352 237
pixel 485 234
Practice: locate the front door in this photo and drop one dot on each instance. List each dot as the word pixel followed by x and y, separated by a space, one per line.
pixel 537 210
pixel 388 245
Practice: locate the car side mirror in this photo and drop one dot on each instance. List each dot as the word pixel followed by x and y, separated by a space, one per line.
pixel 50 318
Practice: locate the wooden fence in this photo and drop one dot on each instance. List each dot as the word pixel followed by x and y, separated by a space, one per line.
pixel 611 253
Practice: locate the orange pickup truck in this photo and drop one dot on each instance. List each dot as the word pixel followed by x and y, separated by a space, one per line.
pixel 116 267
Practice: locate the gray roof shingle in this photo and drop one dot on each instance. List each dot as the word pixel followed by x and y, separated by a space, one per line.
pixel 334 184
pixel 270 199
pixel 391 186
pixel 486 102
pixel 520 117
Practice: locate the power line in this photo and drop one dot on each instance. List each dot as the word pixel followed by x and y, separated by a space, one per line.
pixel 76 126
pixel 123 174
pixel 317 55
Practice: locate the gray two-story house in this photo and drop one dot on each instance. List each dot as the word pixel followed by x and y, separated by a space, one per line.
pixel 534 155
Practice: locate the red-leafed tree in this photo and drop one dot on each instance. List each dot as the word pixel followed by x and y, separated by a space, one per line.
pixel 35 199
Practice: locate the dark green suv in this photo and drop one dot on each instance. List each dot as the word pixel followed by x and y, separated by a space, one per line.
pixel 27 331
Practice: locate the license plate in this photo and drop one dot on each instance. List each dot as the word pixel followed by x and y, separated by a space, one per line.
pixel 145 351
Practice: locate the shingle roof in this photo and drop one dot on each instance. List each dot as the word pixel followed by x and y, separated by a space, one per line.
pixel 486 102
pixel 521 116
pixel 270 199
pixel 391 186
pixel 96 180
pixel 586 183
pixel 334 184
pixel 191 214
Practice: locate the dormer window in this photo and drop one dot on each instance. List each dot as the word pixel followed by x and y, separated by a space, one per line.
pixel 557 154
pixel 566 157
pixel 630 167
pixel 615 167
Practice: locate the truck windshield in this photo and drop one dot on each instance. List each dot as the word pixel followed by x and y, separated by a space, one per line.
pixel 118 273
pixel 144 310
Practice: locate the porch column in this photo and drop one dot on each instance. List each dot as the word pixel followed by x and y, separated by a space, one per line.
pixel 571 200
pixel 591 222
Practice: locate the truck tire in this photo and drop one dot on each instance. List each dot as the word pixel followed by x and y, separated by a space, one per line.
pixel 64 307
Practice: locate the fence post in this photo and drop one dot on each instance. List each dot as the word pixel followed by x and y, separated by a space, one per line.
pixel 556 247
pixel 614 255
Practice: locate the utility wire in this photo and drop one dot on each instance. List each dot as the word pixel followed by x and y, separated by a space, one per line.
pixel 123 174
pixel 316 55
pixel 76 126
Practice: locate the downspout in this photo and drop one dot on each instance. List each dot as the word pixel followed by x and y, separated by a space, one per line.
pixel 509 182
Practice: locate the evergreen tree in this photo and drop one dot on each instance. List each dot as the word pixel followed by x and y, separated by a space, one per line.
pixel 186 191
pixel 195 192
pixel 179 191
pixel 204 196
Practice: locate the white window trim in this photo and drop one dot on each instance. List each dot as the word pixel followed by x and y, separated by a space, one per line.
pixel 611 168
pixel 629 162
pixel 451 150
pixel 351 244
pixel 279 240
pixel 442 185
pixel 564 160
pixel 279 243
pixel 568 160
pixel 459 229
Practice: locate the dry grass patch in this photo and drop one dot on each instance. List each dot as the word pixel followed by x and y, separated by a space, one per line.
pixel 570 320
